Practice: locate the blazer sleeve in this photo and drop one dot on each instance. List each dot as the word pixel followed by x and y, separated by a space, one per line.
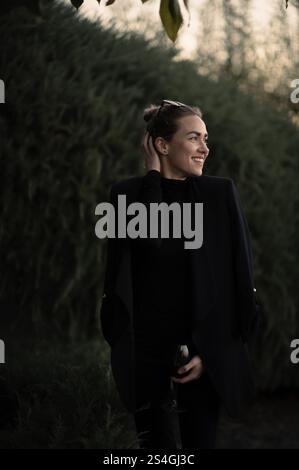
pixel 113 252
pixel 112 324
pixel 243 266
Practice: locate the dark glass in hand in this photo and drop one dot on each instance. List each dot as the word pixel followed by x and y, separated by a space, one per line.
pixel 181 358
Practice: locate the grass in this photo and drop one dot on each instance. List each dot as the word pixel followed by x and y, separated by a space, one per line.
pixel 62 397
pixel 57 396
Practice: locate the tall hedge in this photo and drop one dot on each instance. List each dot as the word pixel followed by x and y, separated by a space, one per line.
pixel 72 125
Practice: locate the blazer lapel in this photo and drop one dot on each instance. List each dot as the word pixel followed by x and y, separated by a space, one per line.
pixel 200 262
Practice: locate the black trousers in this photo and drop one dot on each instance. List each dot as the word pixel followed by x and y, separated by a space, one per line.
pixel 172 415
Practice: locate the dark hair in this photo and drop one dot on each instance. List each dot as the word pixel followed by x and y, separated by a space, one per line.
pixel 163 123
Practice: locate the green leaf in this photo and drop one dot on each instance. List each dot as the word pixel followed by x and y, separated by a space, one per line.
pixel 171 17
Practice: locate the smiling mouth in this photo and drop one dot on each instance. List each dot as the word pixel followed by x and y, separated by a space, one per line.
pixel 198 159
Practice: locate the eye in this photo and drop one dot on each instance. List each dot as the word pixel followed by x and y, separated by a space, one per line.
pixel 196 137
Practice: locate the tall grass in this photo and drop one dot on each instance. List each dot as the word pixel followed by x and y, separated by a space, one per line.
pixel 72 125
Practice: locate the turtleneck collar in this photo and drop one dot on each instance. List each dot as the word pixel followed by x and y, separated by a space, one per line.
pixel 175 181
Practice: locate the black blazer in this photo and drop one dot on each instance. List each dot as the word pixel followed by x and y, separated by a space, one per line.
pixel 224 312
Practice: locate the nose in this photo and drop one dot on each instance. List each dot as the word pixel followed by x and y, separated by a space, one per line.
pixel 203 149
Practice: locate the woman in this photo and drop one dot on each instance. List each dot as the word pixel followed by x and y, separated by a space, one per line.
pixel 159 296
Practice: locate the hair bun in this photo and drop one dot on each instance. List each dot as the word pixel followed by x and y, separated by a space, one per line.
pixel 149 112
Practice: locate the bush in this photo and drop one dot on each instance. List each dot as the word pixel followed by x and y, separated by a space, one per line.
pixel 75 92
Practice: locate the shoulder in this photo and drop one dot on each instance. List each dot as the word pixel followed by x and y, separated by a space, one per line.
pixel 208 182
pixel 214 183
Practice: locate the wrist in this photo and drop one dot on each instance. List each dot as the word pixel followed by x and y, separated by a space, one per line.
pixel 152 167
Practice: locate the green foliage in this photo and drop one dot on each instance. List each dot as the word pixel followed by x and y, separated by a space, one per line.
pixel 72 126
pixel 171 17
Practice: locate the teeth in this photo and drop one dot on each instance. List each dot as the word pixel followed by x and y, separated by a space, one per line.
pixel 197 159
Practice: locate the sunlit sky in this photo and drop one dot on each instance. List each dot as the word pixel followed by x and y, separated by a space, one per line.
pixel 261 16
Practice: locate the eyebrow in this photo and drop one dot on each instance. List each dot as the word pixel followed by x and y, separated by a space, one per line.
pixel 197 133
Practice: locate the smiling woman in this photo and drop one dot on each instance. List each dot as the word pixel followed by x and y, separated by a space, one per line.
pixel 185 153
pixel 161 299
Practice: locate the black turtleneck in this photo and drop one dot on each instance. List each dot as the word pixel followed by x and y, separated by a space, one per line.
pixel 160 275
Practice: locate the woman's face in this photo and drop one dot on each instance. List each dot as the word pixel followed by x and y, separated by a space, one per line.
pixel 187 151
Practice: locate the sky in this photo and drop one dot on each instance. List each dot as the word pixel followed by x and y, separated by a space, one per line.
pixel 186 42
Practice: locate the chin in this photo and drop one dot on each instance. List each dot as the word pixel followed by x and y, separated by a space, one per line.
pixel 197 172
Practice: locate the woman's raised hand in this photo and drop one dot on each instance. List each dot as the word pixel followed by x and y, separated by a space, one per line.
pixel 152 159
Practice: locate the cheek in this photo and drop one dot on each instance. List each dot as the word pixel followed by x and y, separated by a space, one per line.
pixel 186 149
pixel 190 148
pixel 182 153
pixel 182 156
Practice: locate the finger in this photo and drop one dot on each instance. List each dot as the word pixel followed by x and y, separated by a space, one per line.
pixel 152 145
pixel 192 363
pixel 195 374
pixel 186 367
pixel 148 139
pixel 143 140
pixel 186 379
pixel 186 375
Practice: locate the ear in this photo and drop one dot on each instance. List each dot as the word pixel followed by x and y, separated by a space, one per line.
pixel 161 146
